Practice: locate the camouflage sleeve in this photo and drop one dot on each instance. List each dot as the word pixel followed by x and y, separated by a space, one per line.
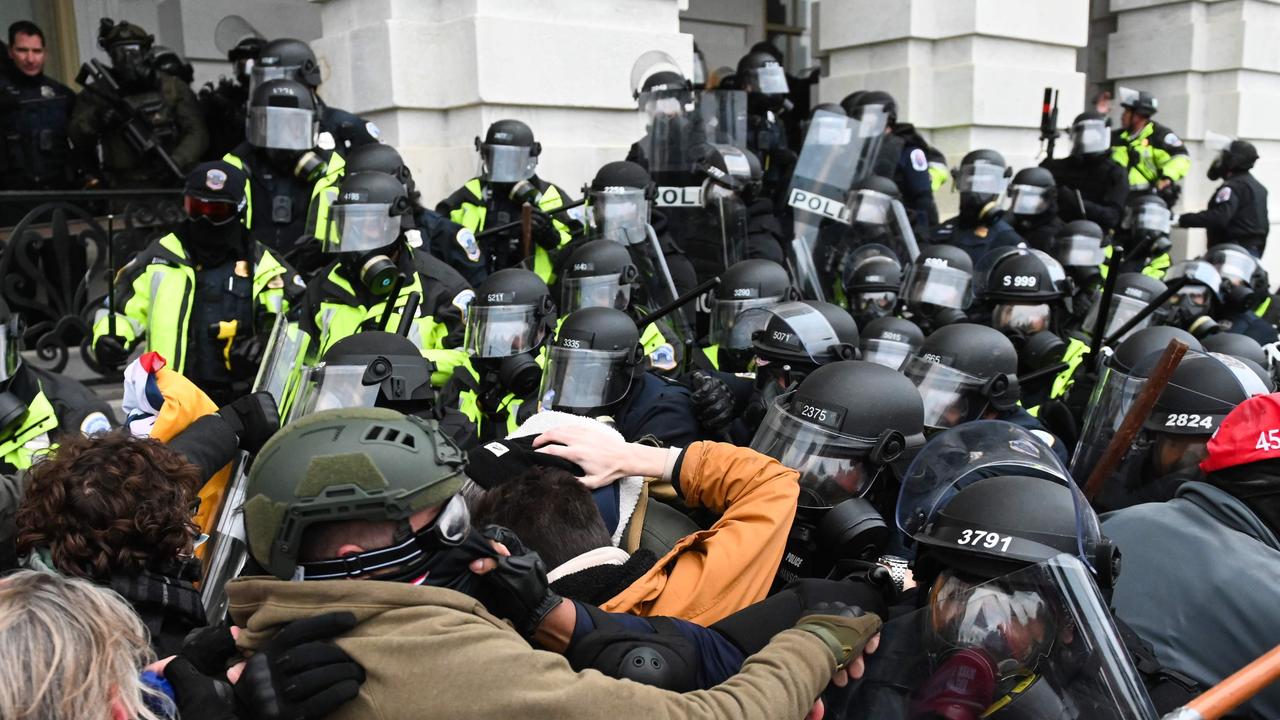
pixel 192 132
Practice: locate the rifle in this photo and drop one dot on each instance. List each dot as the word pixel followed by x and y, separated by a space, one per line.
pixel 1049 121
pixel 137 131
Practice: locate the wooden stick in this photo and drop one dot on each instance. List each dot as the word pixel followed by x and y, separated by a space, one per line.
pixel 1234 690
pixel 526 230
pixel 1137 415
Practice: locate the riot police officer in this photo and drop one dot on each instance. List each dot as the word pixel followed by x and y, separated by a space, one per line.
pixel 508 179
pixel 938 287
pixel 293 59
pixel 738 216
pixel 918 169
pixel 34 152
pixel 224 104
pixel 1144 233
pixel 1028 293
pixel 1033 205
pixel 871 279
pixel 1245 290
pixel 161 106
pixel 289 174
pixel 1081 248
pixel 1091 186
pixel 373 272
pixel 980 226
pixel 744 286
pixel 1237 213
pixel 595 368
pixel 204 296
pixel 765 81
pixel 1154 155
pixel 875 218
pixel 889 341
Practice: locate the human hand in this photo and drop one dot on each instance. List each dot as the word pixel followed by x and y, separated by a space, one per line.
pixel 848 633
pixel 1163 183
pixel 603 456
pixel 300 674
pixel 254 418
pixel 712 402
pixel 111 350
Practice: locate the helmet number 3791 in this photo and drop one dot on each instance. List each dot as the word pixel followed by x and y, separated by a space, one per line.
pixel 986 539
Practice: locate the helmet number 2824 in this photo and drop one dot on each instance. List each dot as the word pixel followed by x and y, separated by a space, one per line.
pixel 986 539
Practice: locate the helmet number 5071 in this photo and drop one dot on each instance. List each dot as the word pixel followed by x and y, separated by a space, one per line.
pixel 986 539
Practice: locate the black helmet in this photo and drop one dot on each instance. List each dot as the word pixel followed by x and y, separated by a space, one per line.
pixel 870 200
pixel 167 60
pixel 346 464
pixel 282 116
pixel 889 341
pixel 369 369
pixel 1146 213
pixel 1203 389
pixel 508 153
pixel 378 157
pixel 981 179
pixel 618 201
pixel 1135 348
pixel 1133 292
pixel 600 273
pixel 510 315
pixel 1239 155
pixel 1245 283
pixel 1139 101
pixel 854 103
pixel 1033 192
pixel 745 286
pixel 1079 245
pixel 731 168
pixel 872 276
pixel 938 286
pixel 593 361
pixel 365 225
pixel 1238 346
pixel 844 422
pixel 249 48
pixel 1090 134
pixel 622 174
pixel 127 45
pixel 804 332
pixel 287 58
pixel 1025 276
pixel 962 370
pixel 760 74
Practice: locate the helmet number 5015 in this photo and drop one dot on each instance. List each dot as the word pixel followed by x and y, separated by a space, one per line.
pixel 986 539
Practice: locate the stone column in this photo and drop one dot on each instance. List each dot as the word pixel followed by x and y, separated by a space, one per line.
pixel 1213 66
pixel 435 73
pixel 969 73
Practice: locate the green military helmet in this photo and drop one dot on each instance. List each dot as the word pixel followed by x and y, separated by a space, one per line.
pixel 115 33
pixel 345 464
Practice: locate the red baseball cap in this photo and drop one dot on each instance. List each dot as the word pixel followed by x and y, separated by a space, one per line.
pixel 1249 433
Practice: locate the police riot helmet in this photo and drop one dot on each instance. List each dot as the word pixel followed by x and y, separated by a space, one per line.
pixel 962 370
pixel 889 341
pixel 870 200
pixel 981 180
pixel 511 315
pixel 938 286
pixel 1239 155
pixel 872 277
pixel 1133 292
pixel 368 369
pixel 1139 101
pixel 745 286
pixel 365 226
pixel 1033 192
pixel 1078 246
pixel 369 464
pixel 290 59
pixel 1202 390
pixel 1089 134
pixel 618 202
pixel 379 157
pixel 282 116
pixel 806 333
pixel 1245 283
pixel 843 423
pixel 760 74
pixel 508 153
pixel 1135 348
pixel 1236 345
pixel 592 363
pixel 1024 276
pixel 600 273
pixel 728 169
pixel 1146 213
pixel 854 103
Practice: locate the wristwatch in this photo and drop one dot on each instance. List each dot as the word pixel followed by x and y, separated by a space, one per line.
pixel 897 568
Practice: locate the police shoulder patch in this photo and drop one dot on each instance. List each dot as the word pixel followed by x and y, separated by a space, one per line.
pixel 663 357
pixel 1223 195
pixel 1172 140
pixel 95 423
pixel 325 141
pixel 919 162
pixel 467 241
pixel 462 300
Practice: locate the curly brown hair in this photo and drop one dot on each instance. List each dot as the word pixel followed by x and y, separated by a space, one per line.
pixel 109 504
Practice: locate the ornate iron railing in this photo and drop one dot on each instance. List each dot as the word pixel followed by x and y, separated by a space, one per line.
pixel 55 262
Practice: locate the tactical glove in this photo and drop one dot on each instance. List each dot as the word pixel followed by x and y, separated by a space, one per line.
pixel 712 402
pixel 544 232
pixel 111 351
pixel 254 418
pixel 518 589
pixel 844 628
pixel 200 696
pixel 299 674
pixel 246 355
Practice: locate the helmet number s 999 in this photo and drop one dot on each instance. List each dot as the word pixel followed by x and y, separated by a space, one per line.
pixel 1020 281
pixel 985 539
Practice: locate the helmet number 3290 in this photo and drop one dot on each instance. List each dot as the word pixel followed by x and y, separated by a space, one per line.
pixel 985 539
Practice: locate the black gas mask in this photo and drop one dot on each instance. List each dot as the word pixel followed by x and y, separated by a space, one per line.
pixel 129 63
pixel 974 207
pixel 376 269
pixel 305 165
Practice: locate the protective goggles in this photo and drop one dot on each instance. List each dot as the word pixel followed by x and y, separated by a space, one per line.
pixel 218 212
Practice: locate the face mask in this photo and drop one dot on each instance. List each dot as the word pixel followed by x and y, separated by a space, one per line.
pixel 375 269
pixel 974 207
pixel 1215 169
pixel 212 244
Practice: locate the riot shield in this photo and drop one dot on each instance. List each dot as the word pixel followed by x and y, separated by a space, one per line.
pixel 837 152
pixel 1038 643
pixel 723 116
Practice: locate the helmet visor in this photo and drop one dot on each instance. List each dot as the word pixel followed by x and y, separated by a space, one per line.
pixel 733 325
pixel 869 207
pixel 830 463
pixel 950 396
pixel 1148 218
pixel 585 379
pixel 598 291
pixel 262 73
pixel 619 215
pixel 890 353
pixel 878 304
pixel 1011 626
pixel 359 227
pixel 280 128
pixel 506 163
pixel 771 79
pixel 1090 136
pixel 939 286
pixel 1025 319
pixel 981 179
pixel 334 386
pixel 498 331
pixel 792 329
pixel 665 103
pixel 1121 311
pixel 1028 199
pixel 1235 265
pixel 1078 251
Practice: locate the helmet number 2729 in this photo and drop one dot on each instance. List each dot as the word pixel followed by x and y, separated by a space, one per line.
pixel 986 539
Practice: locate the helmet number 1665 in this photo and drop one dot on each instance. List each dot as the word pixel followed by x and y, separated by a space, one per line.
pixel 986 539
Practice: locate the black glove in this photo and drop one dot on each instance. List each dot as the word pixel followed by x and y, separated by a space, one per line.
pixel 246 355
pixel 518 589
pixel 1068 203
pixel 200 696
pixel 254 418
pixel 110 351
pixel 298 675
pixel 543 231
pixel 209 649
pixel 712 402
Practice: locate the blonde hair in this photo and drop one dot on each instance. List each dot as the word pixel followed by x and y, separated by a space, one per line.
pixel 70 648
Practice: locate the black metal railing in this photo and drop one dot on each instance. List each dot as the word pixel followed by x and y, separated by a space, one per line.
pixel 54 262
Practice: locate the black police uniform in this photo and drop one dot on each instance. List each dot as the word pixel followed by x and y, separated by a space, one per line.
pixel 1102 184
pixel 34 113
pixel 347 129
pixel 1247 323
pixel 977 240
pixel 453 244
pixel 223 106
pixel 1237 214
pixel 659 408
pixel 909 153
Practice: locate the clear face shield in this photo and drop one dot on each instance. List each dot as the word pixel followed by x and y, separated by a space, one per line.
pixel 1195 298
pixel 506 163
pixel 1089 137
pixel 1028 199
pixel 769 79
pixel 1122 310
pixel 805 438
pixel 1236 266
pixel 1078 251
pixel 360 227
pixel 667 103
pixel 280 128
pixel 889 353
pixel 1147 219
pixel 498 331
pixel 1021 319
pixel 938 286
pixel 581 380
pixel 597 291
pixel 871 304
pixel 950 396
pixel 735 322
pixel 981 178
pixel 259 73
pixel 620 214
pixel 326 387
pixel 870 207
